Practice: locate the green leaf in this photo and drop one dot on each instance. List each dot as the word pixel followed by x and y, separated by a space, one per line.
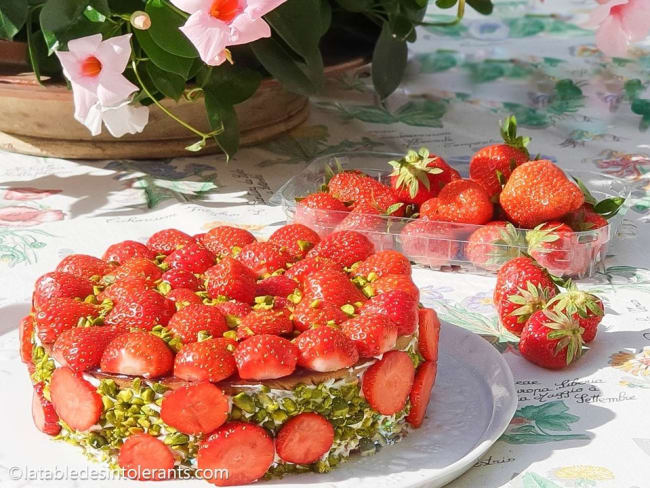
pixel 94 15
pixel 101 6
pixel 426 113
pixel 484 7
pixel 220 115
pixel 325 17
pixel 356 5
pixel 589 198
pixel 402 27
pixel 161 58
pixel 169 84
pixel 388 62
pixel 533 480
pixel 233 84
pixel 609 207
pixel 59 16
pixel 164 29
pixel 13 14
pixel 446 3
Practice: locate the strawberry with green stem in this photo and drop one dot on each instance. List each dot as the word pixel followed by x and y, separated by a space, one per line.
pixel 494 244
pixel 555 246
pixel 585 308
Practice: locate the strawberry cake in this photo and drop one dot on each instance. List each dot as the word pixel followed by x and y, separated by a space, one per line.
pixel 222 357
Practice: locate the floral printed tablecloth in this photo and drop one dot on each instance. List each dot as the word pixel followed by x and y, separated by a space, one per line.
pixel 584 426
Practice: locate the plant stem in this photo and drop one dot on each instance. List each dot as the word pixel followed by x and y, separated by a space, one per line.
pixel 459 16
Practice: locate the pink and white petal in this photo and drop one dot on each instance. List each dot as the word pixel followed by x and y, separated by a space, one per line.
pixel 71 65
pixel 125 119
pixel 84 100
pixel 636 19
pixel 258 8
pixel 114 88
pixel 85 46
pixel 191 6
pixel 600 13
pixel 210 36
pixel 244 30
pixel 611 38
pixel 114 53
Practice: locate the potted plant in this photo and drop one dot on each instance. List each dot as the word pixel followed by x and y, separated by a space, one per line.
pixel 186 74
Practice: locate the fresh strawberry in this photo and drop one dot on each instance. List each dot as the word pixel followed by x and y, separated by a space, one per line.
pixel 230 278
pixel 537 192
pixel 325 349
pixel 425 378
pixel 60 285
pixel 25 337
pixel 370 220
pixel 345 247
pixel 83 266
pixel 555 246
pixel 198 238
pixel 585 218
pixel 143 311
pixel 382 263
pixel 461 201
pixel 167 241
pixel 429 242
pixel 493 244
pixel 59 314
pixel 45 418
pixel 321 212
pixel 298 239
pixel 356 187
pixel 226 241
pixel 75 400
pixel 182 297
pixel 305 438
pixel 137 354
pixel 209 360
pixel 81 348
pixel 428 334
pixel 121 252
pixel 146 458
pixel 331 286
pixel 491 166
pixel 190 320
pixel 134 268
pixel 387 383
pixel 125 290
pixel 373 334
pixel 307 266
pixel 551 340
pixel 195 409
pixel 274 321
pixel 515 273
pixel 392 282
pixel 243 449
pixel 583 307
pixel 264 258
pixel 420 175
pixel 235 309
pixel 276 286
pixel 265 356
pixel 398 306
pixel 181 278
pixel 191 257
pixel 309 313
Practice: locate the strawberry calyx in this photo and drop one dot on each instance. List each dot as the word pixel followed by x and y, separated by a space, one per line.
pixel 412 169
pixel 574 301
pixel 510 137
pixel 530 299
pixel 539 236
pixel 507 246
pixel 569 333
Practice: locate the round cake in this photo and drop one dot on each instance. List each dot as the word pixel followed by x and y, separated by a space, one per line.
pixel 222 357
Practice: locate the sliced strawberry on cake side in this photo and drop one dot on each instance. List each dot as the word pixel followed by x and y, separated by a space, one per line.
pixel 425 378
pixel 325 349
pixel 195 409
pixel 305 438
pixel 43 413
pixel 75 400
pixel 386 384
pixel 146 458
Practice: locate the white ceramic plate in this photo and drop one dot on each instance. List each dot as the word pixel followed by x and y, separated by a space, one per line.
pixel 473 402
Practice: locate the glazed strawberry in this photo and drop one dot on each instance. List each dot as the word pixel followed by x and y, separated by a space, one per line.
pixel 25 333
pixel 264 258
pixel 382 263
pixel 209 360
pixel 276 286
pixel 195 409
pixel 551 340
pixel 320 211
pixel 494 244
pixel 491 166
pixel 143 311
pixel 235 309
pixel 265 356
pixel 137 354
pixel 429 242
pixel 121 252
pixel 425 378
pixel 191 257
pixel 420 175
pixel 387 383
pixel 59 314
pixel 392 282
pixel 307 266
pixel 75 400
pixel 398 306
pixel 83 266
pixel 373 334
pixel 230 278
pixel 245 450
pixel 81 348
pixel 274 321
pixel 462 201
pixel 167 241
pixel 45 418
pixel 146 458
pixel 182 297
pixel 325 349
pixel 60 285
pixel 537 192
pixel 428 334
pixel 345 247
pixel 190 320
pixel 134 268
pixel 180 278
pixel 585 218
pixel 310 313
pixel 331 286
pixel 297 239
pixel 583 307
pixel 226 240
pixel 554 245
pixel 125 290
pixel 305 438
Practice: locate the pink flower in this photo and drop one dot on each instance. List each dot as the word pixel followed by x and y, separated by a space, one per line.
pixel 21 216
pixel 214 25
pixel 619 23
pixel 94 68
pixel 28 193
